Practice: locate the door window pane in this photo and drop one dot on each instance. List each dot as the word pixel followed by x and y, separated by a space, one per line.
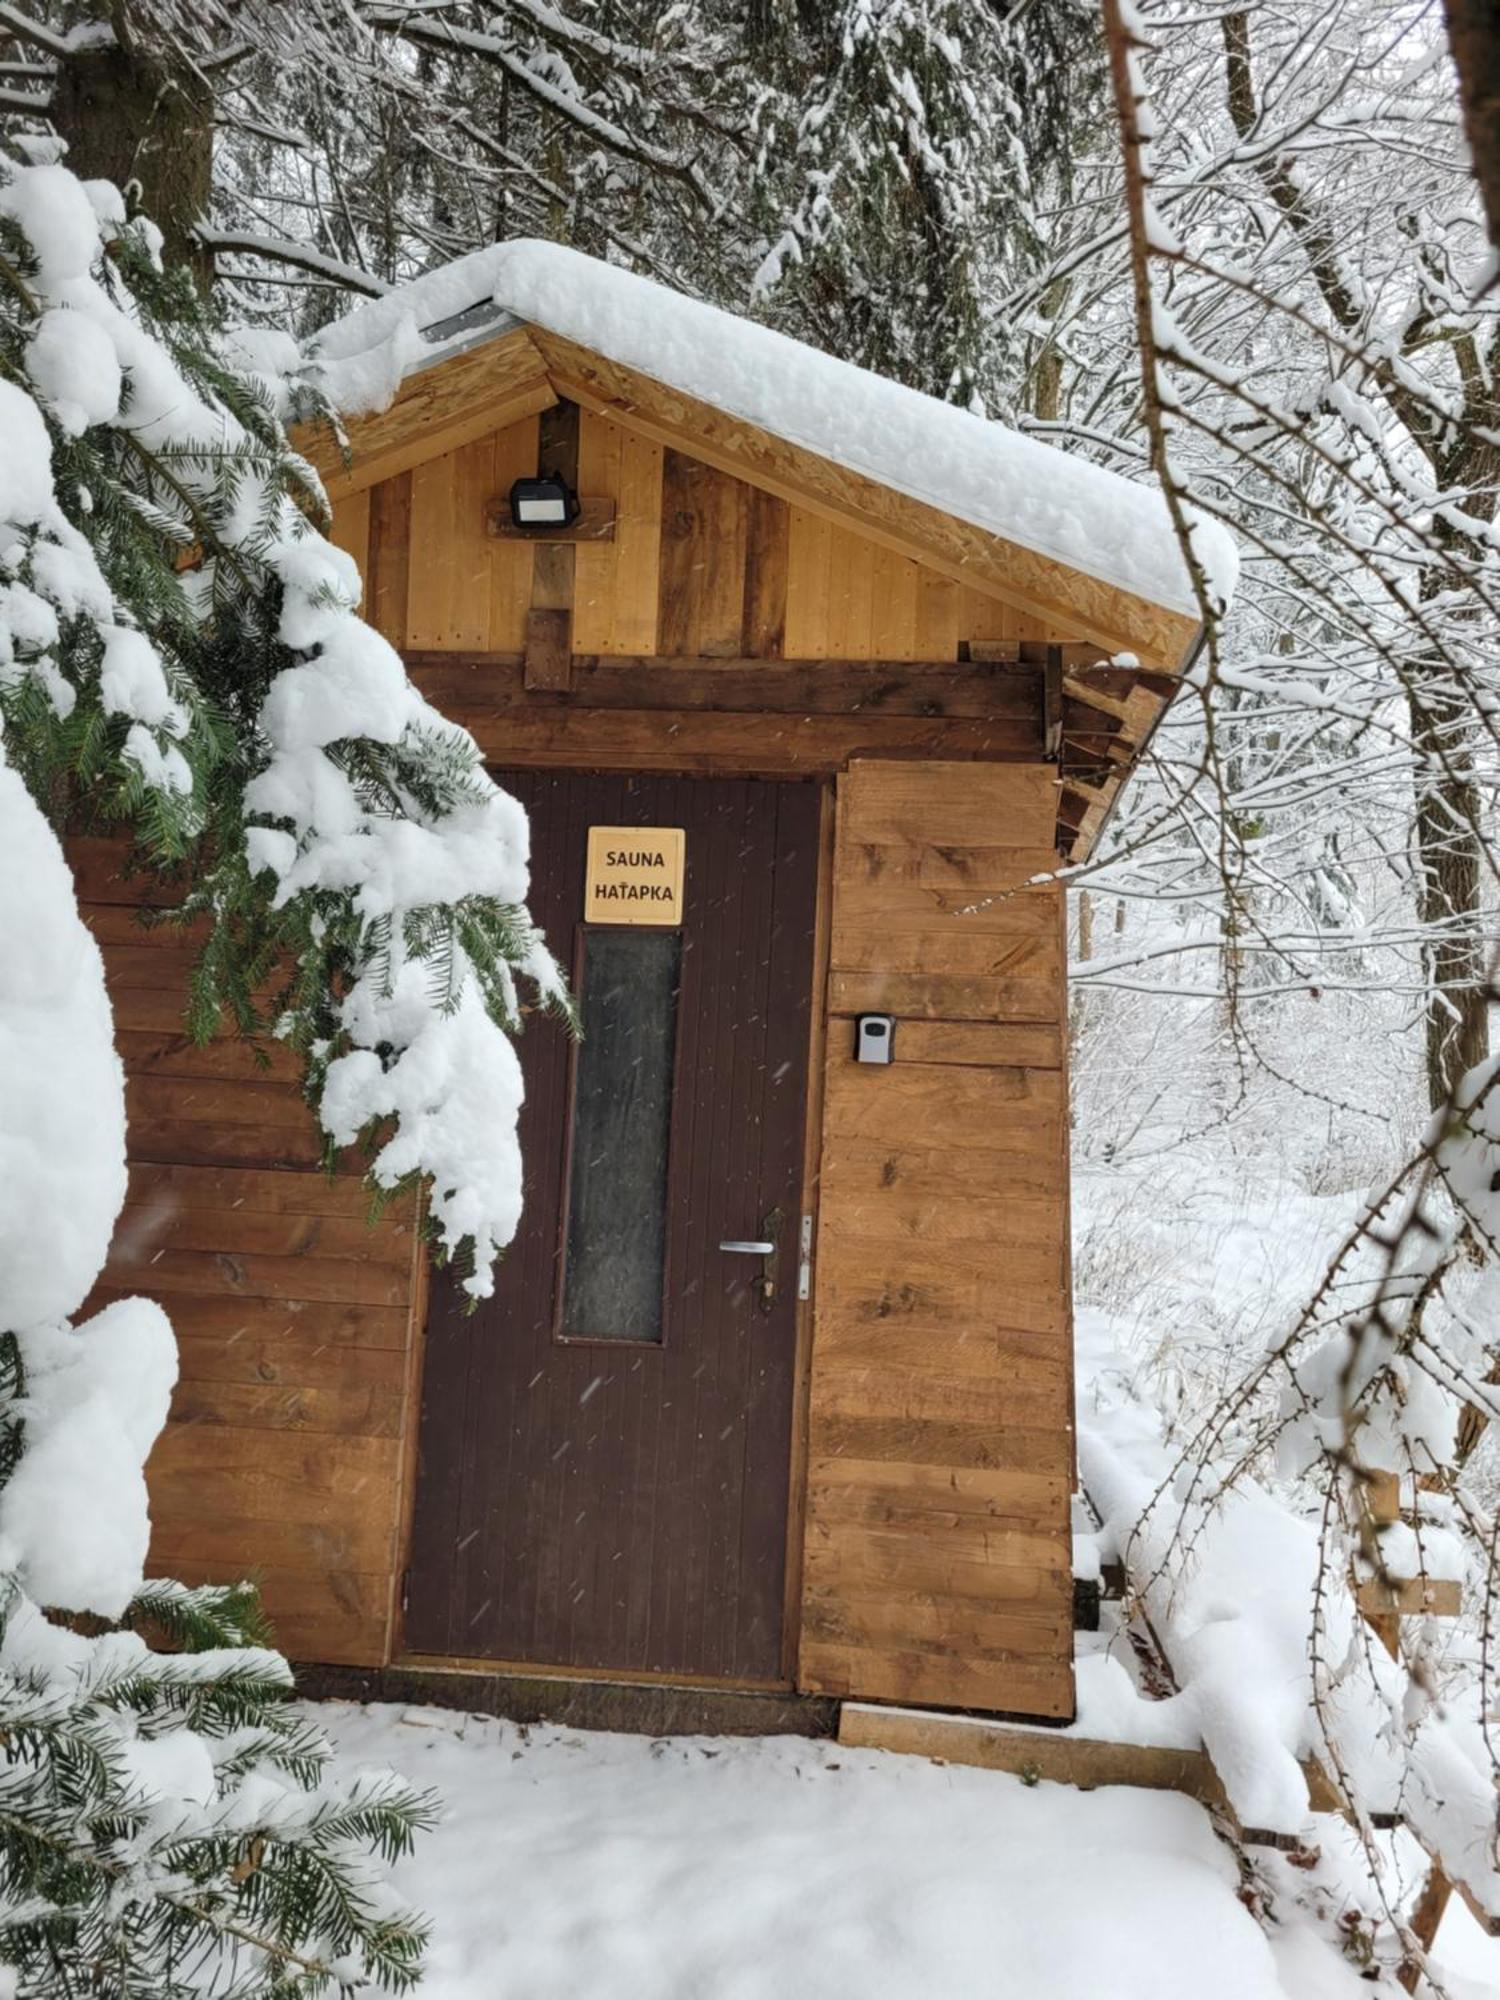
pixel 614 1268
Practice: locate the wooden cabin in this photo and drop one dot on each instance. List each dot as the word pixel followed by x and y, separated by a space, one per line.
pixel 775 1389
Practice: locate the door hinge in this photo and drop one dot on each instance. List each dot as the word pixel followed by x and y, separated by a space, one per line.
pixel 804 1259
pixel 405 1592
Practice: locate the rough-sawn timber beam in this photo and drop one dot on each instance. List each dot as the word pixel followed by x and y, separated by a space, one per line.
pixel 1084 1761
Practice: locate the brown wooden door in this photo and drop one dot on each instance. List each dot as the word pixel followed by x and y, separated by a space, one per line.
pixel 605 1446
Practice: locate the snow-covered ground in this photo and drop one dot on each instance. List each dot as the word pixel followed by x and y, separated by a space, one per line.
pixel 695 1868
pixel 572 1864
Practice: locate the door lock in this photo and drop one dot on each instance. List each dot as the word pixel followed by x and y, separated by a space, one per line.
pixel 765 1247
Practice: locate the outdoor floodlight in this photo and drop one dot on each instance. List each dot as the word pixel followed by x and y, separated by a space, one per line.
pixel 544 502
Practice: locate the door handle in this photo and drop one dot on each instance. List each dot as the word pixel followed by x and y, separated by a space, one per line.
pixel 765 1247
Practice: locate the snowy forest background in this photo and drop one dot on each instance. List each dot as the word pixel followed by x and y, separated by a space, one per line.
pixel 1275 298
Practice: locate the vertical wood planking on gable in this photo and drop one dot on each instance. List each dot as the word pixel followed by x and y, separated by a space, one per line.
pixel 388 584
pixel 442 582
pixel 702 561
pixel 351 532
pixel 449 600
pixel 985 619
pixel 701 565
pixel 893 607
pixel 511 562
pixel 615 604
pixel 851 592
pixel 810 537
pixel 638 503
pixel 937 1565
pixel 596 566
pixel 936 616
pixel 767 554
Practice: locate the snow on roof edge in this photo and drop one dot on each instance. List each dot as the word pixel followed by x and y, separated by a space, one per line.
pixel 1052 502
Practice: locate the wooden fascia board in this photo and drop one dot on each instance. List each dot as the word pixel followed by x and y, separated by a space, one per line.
pixel 1064 598
pixel 479 390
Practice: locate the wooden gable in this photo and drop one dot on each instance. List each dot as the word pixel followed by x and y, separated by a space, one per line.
pixel 762 617
pixel 516 374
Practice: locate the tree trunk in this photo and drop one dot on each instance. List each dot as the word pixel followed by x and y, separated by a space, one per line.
pixel 132 115
pixel 1474 38
pixel 1448 892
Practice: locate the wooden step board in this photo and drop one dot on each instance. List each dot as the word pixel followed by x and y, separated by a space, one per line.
pixel 1061 1759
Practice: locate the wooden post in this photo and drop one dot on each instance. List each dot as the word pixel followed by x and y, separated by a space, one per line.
pixel 549 623
pixel 1383 1610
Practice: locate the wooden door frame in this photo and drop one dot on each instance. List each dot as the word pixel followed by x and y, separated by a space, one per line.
pixel 398 1653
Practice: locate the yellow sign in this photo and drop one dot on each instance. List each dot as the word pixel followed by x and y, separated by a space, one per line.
pixel 634 875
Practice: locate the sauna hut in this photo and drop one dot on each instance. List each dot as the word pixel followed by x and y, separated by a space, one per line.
pixel 809 681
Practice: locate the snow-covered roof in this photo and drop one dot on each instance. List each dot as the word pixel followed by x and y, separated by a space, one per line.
pixel 1048 501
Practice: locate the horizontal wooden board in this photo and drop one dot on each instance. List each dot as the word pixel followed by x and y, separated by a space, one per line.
pixel 1007 1447
pixel 1018 1233
pixel 301 1359
pixel 948 689
pixel 973 869
pixel 865 1389
pixel 359 1409
pixel 227 1316
pixel 983 1044
pixel 938 1624
pixel 989 1110
pixel 146 1227
pixel 566 738
pixel 135 924
pixel 230 1543
pixel 157 1052
pixel 932 805
pixel 164 966
pixel 944 997
pixel 964 951
pixel 975 1349
pixel 214 1143
pixel 870 906
pixel 936 1496
pixel 1062 1760
pixel 334 1617
pixel 212 1273
pixel 340 1195
pixel 1000 1566
pixel 100 875
pixel 1013 1687
pixel 241 1474
pixel 1013 1163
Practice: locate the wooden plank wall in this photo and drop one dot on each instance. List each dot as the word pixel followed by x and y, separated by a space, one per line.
pixel 702 565
pixel 283 1452
pixel 937 1562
